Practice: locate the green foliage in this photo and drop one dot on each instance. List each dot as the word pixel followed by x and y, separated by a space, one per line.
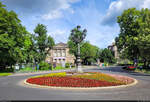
pixel 26 69
pixel 7 70
pixel 67 65
pixel 89 53
pixel 134 38
pixel 107 56
pixel 43 43
pixel 44 66
pixel 71 42
pixel 128 31
pixel 14 39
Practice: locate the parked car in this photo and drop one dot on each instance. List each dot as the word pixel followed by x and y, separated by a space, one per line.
pixel 131 67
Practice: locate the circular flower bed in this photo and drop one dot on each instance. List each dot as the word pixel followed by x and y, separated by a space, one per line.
pixel 70 79
pixel 69 82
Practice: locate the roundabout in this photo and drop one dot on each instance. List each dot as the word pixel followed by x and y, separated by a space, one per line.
pixel 13 88
pixel 87 80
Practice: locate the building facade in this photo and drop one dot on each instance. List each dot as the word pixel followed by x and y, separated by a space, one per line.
pixel 114 49
pixel 60 54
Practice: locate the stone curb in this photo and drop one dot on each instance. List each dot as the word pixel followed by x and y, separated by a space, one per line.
pixel 120 86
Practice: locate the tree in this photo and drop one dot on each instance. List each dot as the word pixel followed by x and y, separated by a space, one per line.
pixel 129 28
pixel 143 38
pixel 43 43
pixel 133 41
pixel 14 38
pixel 107 56
pixel 89 53
pixel 73 47
pixel 76 37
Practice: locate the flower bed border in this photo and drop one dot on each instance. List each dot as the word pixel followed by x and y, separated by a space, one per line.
pixel 107 87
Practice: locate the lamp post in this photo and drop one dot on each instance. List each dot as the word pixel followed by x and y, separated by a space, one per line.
pixel 78 36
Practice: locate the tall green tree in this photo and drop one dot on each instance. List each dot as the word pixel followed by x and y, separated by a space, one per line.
pixel 133 41
pixel 89 53
pixel 107 56
pixel 73 47
pixel 14 38
pixel 129 29
pixel 143 39
pixel 43 42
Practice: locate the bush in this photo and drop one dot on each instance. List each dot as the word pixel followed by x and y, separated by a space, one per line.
pixel 67 65
pixel 44 66
pixel 8 70
pixel 26 69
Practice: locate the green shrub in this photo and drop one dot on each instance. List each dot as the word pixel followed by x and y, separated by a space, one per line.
pixel 8 70
pixel 44 66
pixel 26 69
pixel 140 64
pixel 67 65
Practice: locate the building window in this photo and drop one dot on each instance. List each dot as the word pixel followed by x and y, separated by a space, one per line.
pixel 54 54
pixel 63 53
pixel 58 53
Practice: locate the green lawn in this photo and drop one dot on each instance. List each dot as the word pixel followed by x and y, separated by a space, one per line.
pixel 59 68
pixel 143 70
pixel 27 69
pixel 5 74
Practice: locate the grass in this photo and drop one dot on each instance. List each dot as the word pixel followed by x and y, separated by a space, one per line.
pixel 60 68
pixel 143 70
pixel 27 69
pixel 5 74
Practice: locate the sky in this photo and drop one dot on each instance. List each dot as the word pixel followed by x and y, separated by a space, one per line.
pixel 99 17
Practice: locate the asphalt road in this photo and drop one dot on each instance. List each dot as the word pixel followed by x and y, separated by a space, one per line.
pixel 11 88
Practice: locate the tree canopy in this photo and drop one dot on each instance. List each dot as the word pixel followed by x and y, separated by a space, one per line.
pixel 107 56
pixel 133 40
pixel 14 38
pixel 43 42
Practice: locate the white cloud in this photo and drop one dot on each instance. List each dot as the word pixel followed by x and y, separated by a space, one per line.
pixel 57 12
pixel 58 32
pixel 47 9
pixel 52 15
pixel 117 7
pixel 59 35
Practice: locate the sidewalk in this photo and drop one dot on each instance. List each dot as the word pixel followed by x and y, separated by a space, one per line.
pixel 50 71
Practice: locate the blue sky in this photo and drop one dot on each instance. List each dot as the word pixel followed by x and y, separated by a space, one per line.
pixel 60 16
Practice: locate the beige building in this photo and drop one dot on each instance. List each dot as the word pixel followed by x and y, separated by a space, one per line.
pixel 114 49
pixel 60 54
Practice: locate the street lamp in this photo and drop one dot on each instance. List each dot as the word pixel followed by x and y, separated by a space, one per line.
pixel 78 36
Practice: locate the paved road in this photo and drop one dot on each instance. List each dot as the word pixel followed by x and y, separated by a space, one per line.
pixel 12 89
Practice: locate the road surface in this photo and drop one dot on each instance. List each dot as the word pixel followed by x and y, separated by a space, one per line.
pixel 11 88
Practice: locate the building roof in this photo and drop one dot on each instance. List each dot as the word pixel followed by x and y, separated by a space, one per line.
pixel 61 44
